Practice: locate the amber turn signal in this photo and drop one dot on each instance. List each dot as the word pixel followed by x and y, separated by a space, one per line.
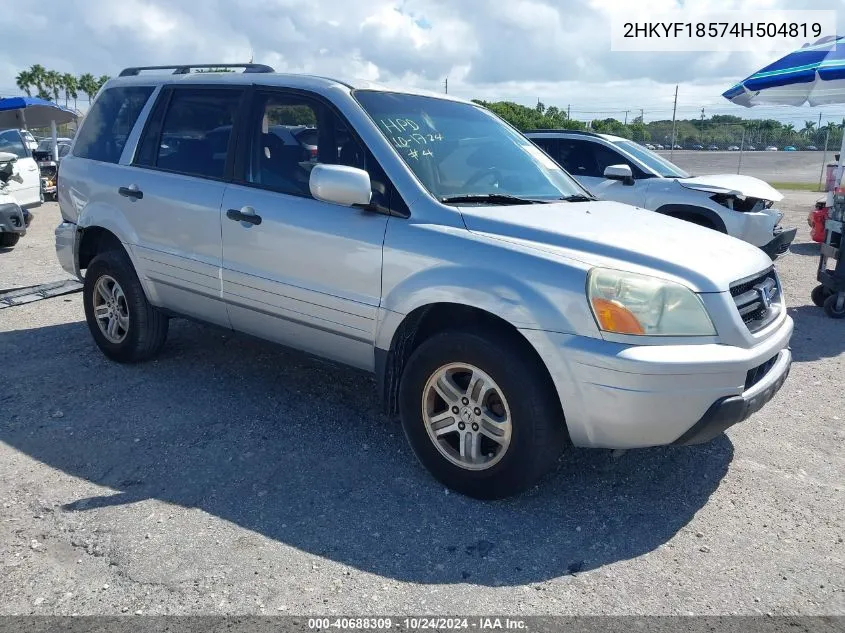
pixel 614 317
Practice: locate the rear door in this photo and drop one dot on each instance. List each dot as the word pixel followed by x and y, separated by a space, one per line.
pixel 172 195
pixel 28 192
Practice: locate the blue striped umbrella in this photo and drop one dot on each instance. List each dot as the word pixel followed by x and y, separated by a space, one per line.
pixel 814 74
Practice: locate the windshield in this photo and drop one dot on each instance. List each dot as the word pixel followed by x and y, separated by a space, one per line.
pixel 458 149
pixel 653 161
pixel 45 146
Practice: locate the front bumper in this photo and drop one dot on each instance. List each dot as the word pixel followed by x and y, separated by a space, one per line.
pixel 780 243
pixel 726 412
pixel 623 396
pixel 13 219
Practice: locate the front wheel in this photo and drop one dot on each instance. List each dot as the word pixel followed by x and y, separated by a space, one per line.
pixel 124 325
pixel 480 413
pixel 8 240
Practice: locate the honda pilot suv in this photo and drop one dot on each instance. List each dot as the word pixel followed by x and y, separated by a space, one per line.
pixel 505 313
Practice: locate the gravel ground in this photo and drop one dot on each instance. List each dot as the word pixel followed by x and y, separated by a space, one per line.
pixel 231 476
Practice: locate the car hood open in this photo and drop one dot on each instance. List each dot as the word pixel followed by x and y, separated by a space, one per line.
pixel 733 184
pixel 605 233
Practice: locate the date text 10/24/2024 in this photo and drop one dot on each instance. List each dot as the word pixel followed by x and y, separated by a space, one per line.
pixel 407 135
pixel 417 623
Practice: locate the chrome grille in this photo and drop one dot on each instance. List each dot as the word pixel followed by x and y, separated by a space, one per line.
pixel 758 299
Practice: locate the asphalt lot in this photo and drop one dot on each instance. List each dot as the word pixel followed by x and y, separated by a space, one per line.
pixel 793 167
pixel 232 476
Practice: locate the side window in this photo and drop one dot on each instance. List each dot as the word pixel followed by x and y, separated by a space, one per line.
pixel 578 158
pixel 12 142
pixel 605 157
pixel 549 145
pixel 109 122
pixel 289 134
pixel 193 138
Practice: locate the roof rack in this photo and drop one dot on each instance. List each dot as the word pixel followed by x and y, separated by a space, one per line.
pixel 562 131
pixel 184 69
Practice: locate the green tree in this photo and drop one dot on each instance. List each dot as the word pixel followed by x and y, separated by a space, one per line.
pixel 53 84
pixel 88 85
pixel 24 82
pixel 70 86
pixel 101 81
pixel 37 75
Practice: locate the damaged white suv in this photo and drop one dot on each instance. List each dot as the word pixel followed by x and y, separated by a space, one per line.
pixel 616 168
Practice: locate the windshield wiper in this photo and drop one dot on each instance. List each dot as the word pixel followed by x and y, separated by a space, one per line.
pixel 578 197
pixel 491 198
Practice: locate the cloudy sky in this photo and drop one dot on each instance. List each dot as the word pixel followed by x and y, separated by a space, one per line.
pixel 557 51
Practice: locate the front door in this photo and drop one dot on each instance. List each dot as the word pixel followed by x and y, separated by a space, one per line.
pixel 27 192
pixel 300 272
pixel 586 160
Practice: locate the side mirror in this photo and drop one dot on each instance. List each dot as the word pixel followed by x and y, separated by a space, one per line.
pixel 339 184
pixel 620 172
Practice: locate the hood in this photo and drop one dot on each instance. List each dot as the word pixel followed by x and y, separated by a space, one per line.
pixel 733 184
pixel 620 236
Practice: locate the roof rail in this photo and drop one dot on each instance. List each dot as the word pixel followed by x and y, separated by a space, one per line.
pixel 562 131
pixel 184 69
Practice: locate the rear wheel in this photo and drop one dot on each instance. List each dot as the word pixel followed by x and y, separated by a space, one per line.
pixel 834 306
pixel 123 323
pixel 480 413
pixel 8 240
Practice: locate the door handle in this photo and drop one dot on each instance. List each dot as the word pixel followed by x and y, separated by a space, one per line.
pixel 246 214
pixel 131 191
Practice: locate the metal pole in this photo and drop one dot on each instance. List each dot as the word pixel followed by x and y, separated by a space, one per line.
pixel 741 148
pixel 55 143
pixel 674 110
pixel 824 157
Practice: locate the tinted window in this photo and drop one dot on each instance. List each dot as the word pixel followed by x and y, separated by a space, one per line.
pixel 460 149
pixel 109 122
pixel 196 130
pixel 291 134
pixel 590 159
pixel 11 141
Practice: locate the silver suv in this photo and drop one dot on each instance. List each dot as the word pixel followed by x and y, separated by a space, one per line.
pixel 505 313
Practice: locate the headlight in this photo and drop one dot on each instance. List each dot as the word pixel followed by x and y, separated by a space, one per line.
pixel 628 303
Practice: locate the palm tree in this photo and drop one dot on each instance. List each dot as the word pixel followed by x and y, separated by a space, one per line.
pixel 24 82
pixel 88 85
pixel 70 87
pixel 53 83
pixel 809 128
pixel 37 75
pixel 102 80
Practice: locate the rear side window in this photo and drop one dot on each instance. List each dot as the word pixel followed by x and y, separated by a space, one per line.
pixel 193 138
pixel 109 122
pixel 12 142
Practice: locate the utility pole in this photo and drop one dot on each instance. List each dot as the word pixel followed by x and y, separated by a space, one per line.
pixel 567 111
pixel 674 112
pixel 642 115
pixel 626 117
pixel 446 86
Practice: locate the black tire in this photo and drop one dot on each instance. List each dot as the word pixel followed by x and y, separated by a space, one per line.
pixel 831 309
pixel 8 240
pixel 147 329
pixel 538 434
pixel 819 294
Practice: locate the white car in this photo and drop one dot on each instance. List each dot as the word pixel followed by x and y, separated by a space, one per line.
pixel 771 148
pixel 26 193
pixel 615 168
pixel 29 140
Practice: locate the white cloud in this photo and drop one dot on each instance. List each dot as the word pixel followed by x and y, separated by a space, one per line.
pixel 555 50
